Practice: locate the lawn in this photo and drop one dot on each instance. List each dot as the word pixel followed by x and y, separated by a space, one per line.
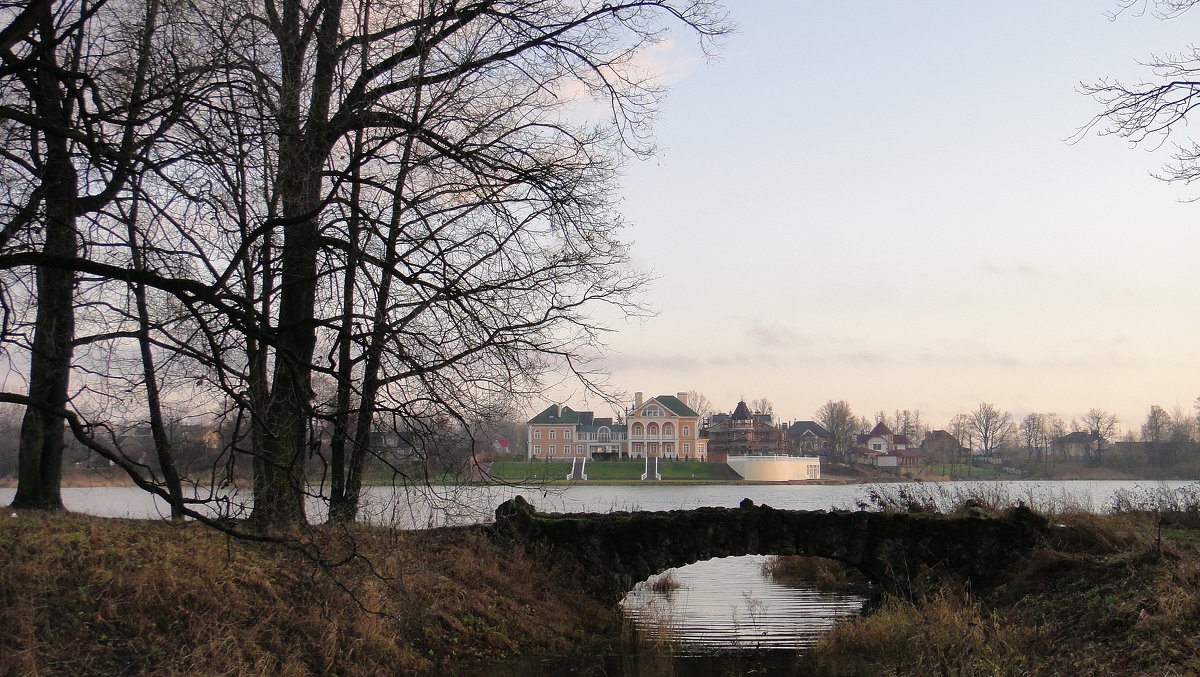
pixel 602 470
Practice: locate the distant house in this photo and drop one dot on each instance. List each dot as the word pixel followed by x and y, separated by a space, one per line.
pixel 745 434
pixel 878 448
pixel 809 438
pixel 560 432
pixel 881 438
pixel 940 444
pixel 666 427
pixel 1078 444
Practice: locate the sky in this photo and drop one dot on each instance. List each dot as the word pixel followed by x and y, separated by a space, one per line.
pixel 878 202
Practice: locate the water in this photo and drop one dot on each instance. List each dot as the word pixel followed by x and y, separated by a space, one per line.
pixel 421 507
pixel 729 604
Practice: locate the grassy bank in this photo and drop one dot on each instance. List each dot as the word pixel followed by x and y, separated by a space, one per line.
pixel 1107 595
pixel 91 596
pixel 608 471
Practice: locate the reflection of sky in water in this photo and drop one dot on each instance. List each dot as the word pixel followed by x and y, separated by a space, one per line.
pixel 728 603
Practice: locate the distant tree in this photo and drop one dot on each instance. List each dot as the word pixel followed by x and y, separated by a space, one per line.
pixel 909 424
pixel 762 406
pixel 1156 433
pixel 992 428
pixel 1056 429
pixel 1183 426
pixel 699 403
pixel 1104 426
pixel 960 426
pixel 837 418
pixel 1035 434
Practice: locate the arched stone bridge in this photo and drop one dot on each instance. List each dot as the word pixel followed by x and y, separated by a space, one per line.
pixel 612 552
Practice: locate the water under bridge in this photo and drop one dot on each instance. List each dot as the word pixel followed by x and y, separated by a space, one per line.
pixel 612 552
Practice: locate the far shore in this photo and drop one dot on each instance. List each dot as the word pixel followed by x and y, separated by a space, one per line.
pixel 77 478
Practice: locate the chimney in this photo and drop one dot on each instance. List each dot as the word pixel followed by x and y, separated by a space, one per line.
pixel 682 397
pixel 556 412
pixel 637 399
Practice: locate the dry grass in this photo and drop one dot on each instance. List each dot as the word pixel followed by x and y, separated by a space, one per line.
pixel 825 574
pixel 665 583
pixel 1100 598
pixel 89 596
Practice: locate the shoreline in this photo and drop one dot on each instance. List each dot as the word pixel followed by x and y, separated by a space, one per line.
pixel 98 479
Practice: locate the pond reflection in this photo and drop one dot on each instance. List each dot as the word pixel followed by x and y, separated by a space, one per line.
pixel 729 604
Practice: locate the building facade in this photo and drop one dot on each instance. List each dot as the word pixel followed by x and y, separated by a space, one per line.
pixel 665 427
pixel 746 434
pixel 563 433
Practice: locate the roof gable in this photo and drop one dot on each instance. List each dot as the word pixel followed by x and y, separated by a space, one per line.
pixel 880 430
pixel 671 404
pixel 808 428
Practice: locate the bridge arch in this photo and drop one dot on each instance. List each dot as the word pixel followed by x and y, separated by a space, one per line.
pixel 610 553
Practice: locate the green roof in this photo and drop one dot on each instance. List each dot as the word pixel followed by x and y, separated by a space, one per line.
pixel 555 415
pixel 676 405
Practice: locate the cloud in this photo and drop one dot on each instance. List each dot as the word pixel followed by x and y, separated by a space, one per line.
pixel 678 362
pixel 773 335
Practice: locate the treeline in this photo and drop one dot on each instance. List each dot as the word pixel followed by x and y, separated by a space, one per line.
pixel 1163 438
pixel 305 224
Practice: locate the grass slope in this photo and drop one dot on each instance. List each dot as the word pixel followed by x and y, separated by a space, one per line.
pixel 1105 595
pixel 91 596
pixel 518 471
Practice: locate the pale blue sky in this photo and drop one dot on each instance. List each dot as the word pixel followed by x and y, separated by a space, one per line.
pixel 873 201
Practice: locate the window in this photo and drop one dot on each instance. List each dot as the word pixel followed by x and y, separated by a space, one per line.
pixel 604 434
pixel 687 431
pixel 552 434
pixel 687 448
pixel 551 449
pixel 566 433
pixel 579 450
pixel 537 433
pixel 652 412
pixel 877 446
pixel 537 450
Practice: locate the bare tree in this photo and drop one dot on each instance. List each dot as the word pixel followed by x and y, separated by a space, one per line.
pixel 434 224
pixel 991 427
pixel 1035 434
pixel 1104 426
pixel 837 418
pixel 82 106
pixel 909 424
pixel 391 194
pixel 1156 433
pixel 762 405
pixel 700 403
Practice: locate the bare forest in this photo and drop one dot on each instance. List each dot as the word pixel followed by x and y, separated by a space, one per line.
pixel 283 242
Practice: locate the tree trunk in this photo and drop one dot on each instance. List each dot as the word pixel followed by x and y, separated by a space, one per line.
pixel 42 431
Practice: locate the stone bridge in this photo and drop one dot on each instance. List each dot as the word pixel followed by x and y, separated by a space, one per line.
pixel 612 552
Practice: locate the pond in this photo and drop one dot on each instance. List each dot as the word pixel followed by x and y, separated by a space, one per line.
pixel 421 507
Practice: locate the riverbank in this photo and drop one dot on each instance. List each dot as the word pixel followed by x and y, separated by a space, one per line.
pixel 1105 595
pixel 93 596
pixel 554 474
